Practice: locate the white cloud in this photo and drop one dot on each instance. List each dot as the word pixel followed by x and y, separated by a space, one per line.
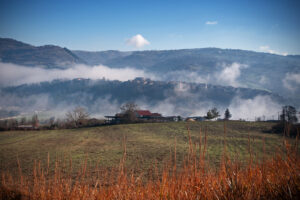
pixel 175 105
pixel 230 74
pixel 11 74
pixel 227 75
pixel 249 109
pixel 267 49
pixel 291 82
pixel 263 80
pixel 264 48
pixel 181 88
pixel 182 102
pixel 211 22
pixel 137 41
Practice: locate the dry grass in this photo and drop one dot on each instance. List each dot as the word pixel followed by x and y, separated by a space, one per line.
pixel 146 144
pixel 269 178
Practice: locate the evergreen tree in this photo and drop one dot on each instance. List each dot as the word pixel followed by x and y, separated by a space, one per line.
pixel 213 113
pixel 227 114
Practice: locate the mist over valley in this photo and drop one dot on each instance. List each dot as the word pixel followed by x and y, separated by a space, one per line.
pixel 184 82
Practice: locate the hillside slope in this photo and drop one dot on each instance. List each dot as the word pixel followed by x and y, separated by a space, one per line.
pixel 104 97
pixel 49 56
pixel 251 69
pixel 226 67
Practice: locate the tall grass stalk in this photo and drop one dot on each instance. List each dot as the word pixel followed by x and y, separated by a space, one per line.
pixel 275 178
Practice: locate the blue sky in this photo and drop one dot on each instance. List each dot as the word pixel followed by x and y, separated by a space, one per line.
pixel 262 25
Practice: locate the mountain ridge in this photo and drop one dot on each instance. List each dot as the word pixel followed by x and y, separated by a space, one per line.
pixel 48 56
pixel 106 96
pixel 271 72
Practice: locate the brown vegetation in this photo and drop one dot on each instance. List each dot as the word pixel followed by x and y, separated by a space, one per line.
pixel 276 178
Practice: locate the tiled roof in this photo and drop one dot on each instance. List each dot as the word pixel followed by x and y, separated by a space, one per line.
pixel 144 112
pixel 156 115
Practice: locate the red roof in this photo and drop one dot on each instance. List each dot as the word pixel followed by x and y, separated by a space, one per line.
pixel 156 115
pixel 144 112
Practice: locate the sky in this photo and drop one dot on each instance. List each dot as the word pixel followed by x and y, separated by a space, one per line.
pixel 260 25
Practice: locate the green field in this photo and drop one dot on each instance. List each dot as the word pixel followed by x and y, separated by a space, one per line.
pixel 146 144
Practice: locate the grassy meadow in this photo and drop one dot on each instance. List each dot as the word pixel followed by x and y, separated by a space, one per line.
pixel 146 144
pixel 137 161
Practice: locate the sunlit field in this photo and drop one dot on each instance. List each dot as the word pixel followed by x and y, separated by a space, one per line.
pixel 146 143
pixel 198 160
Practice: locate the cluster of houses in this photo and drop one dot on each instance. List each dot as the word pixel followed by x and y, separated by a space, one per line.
pixel 147 116
pixel 142 115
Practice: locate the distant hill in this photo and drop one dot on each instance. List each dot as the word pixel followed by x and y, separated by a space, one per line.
pixel 101 57
pixel 49 56
pixel 204 59
pixel 254 70
pixel 105 97
pixel 261 70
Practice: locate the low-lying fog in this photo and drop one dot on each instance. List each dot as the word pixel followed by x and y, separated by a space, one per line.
pixel 228 75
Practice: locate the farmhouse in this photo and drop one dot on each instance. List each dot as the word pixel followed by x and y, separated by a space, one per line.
pixel 146 114
pixel 142 116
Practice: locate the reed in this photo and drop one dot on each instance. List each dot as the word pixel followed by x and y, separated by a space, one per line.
pixel 275 178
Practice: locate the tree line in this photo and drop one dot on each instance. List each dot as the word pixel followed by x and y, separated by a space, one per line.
pixel 79 117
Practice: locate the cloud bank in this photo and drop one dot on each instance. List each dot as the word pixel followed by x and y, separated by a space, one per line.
pixel 249 109
pixel 291 82
pixel 267 49
pixel 137 41
pixel 246 109
pixel 230 74
pixel 227 75
pixel 182 102
pixel 185 102
pixel 11 74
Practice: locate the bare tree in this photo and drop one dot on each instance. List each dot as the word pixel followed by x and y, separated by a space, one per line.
pixel 289 114
pixel 35 121
pixel 287 124
pixel 129 106
pixel 128 112
pixel 78 116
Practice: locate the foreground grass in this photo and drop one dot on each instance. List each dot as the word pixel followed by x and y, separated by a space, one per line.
pixel 147 144
pixel 275 177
